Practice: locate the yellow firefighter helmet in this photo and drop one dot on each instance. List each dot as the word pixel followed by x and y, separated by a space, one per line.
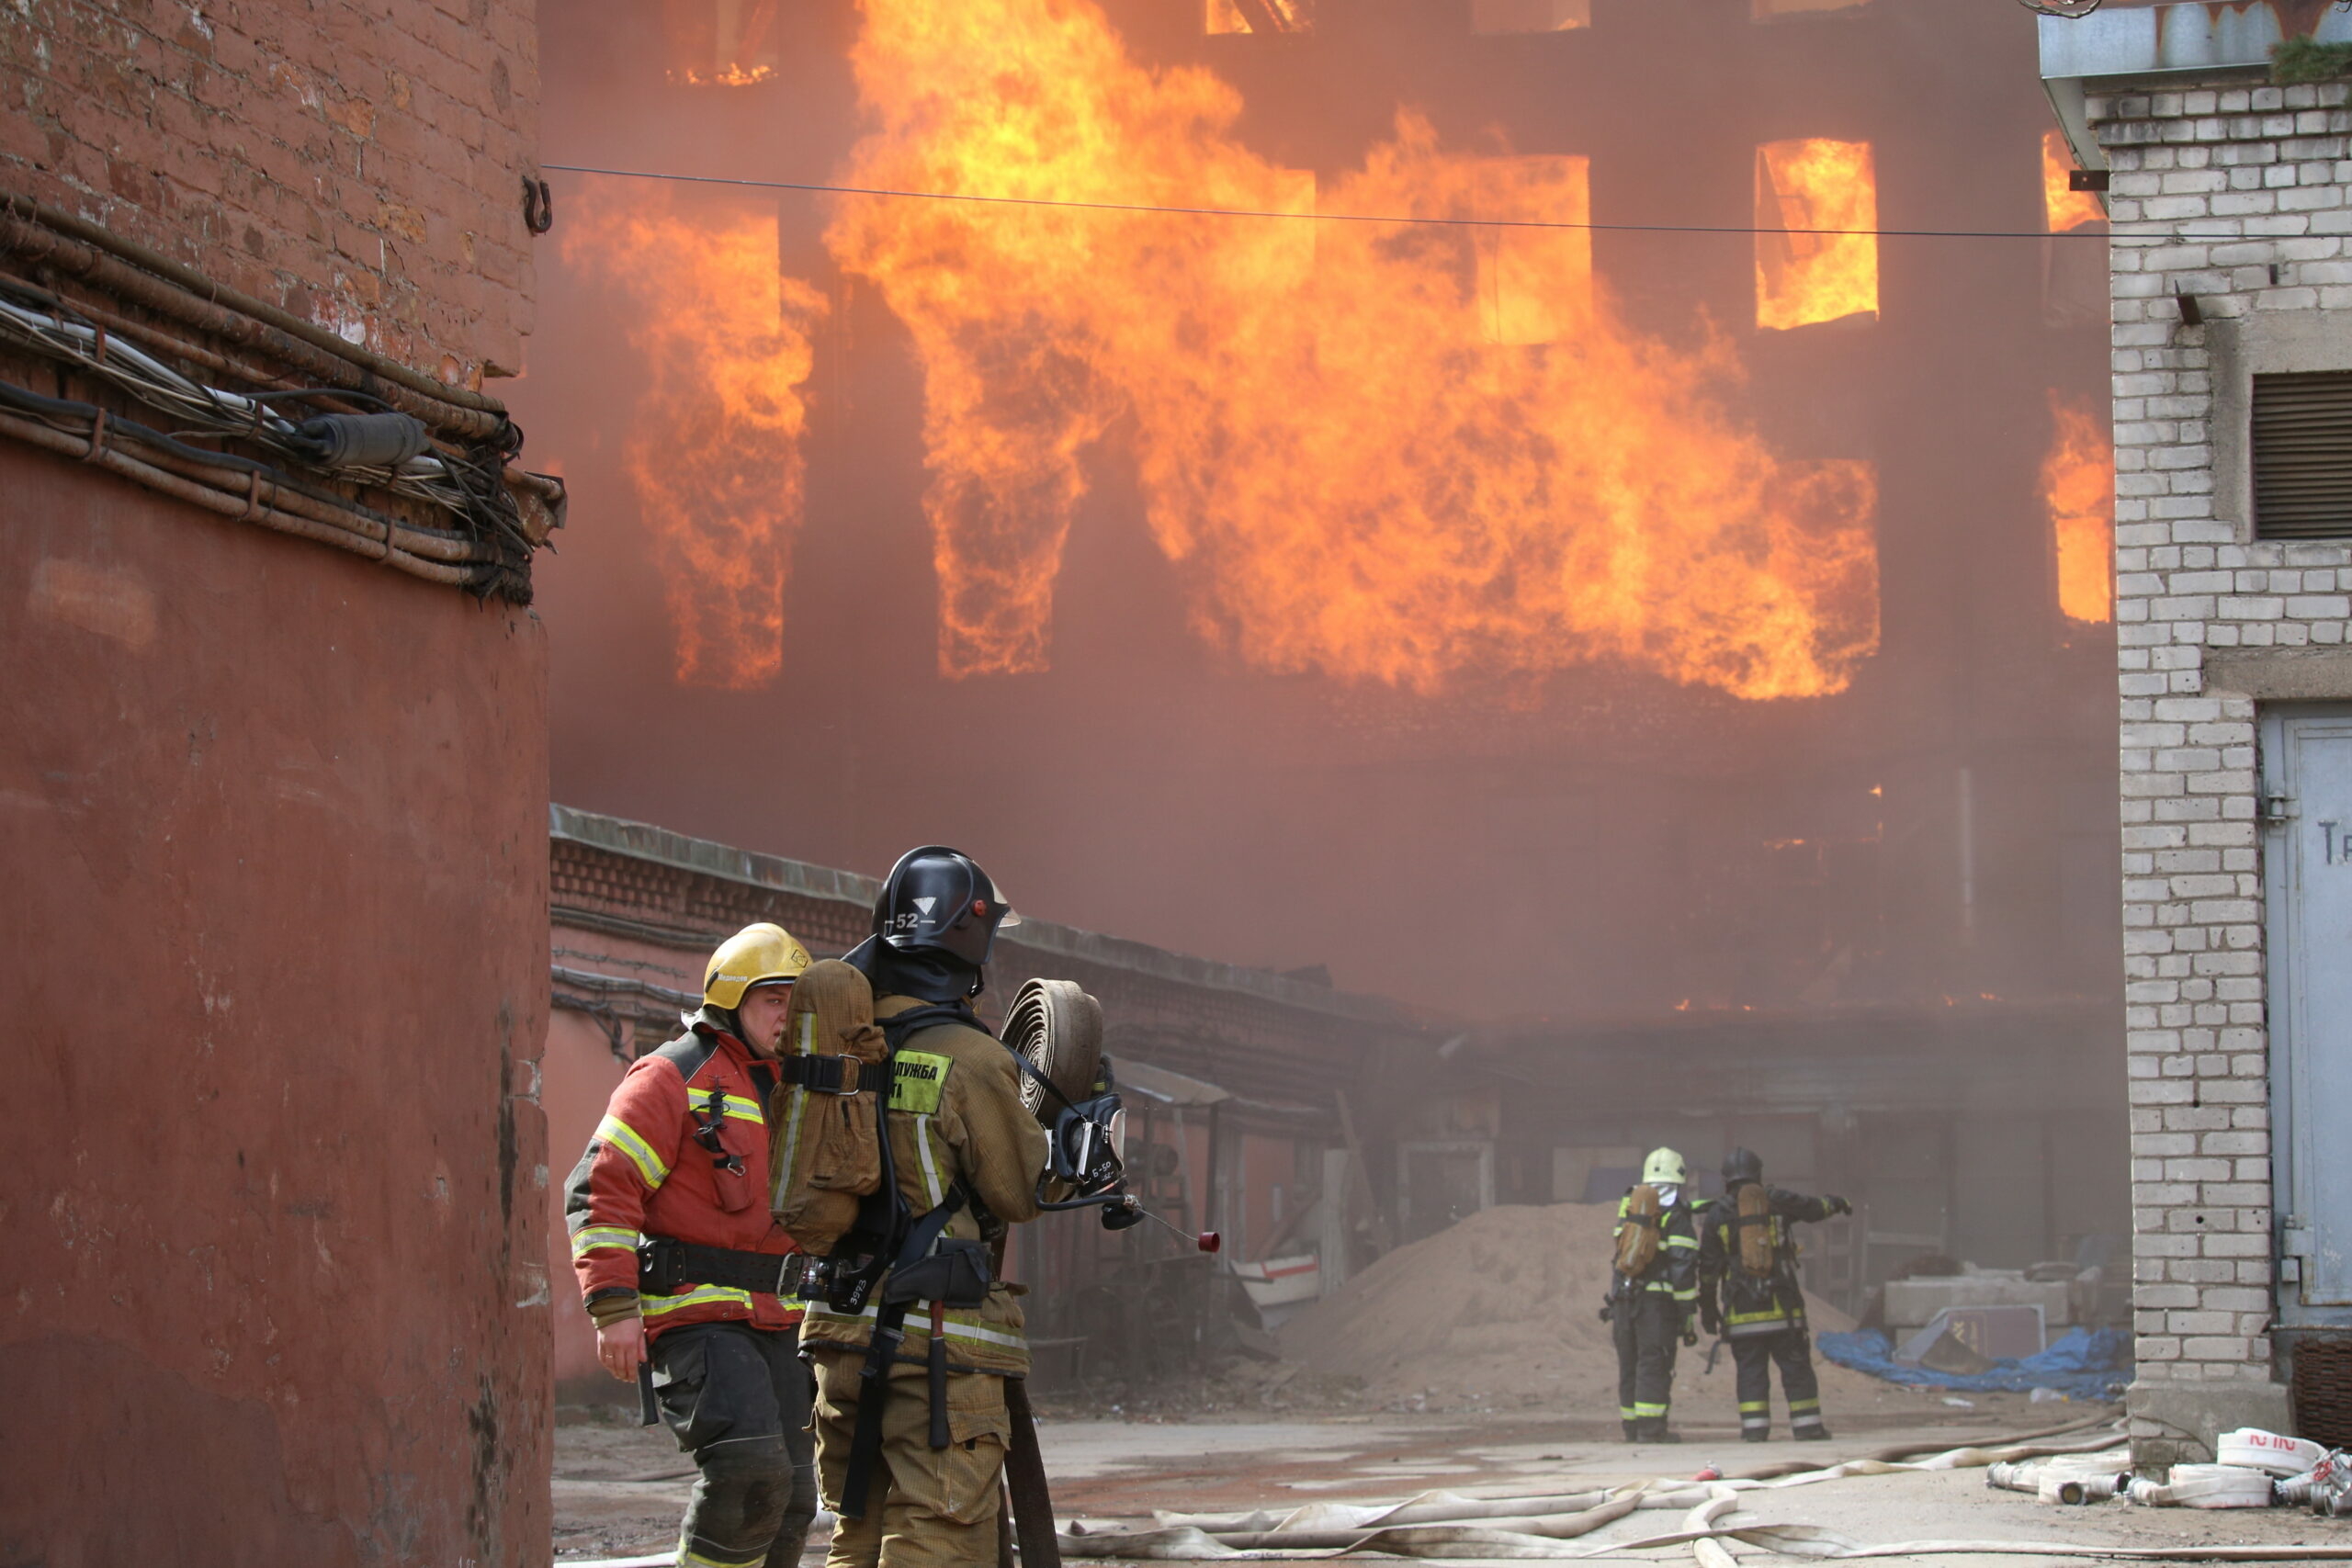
pixel 763 954
pixel 1665 1168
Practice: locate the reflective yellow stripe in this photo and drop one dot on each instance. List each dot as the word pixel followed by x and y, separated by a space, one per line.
pixel 960 1326
pixel 650 1166
pixel 1773 1314
pixel 1682 1241
pixel 689 1558
pixel 590 1238
pixel 1803 1406
pixel 1644 1411
pixel 1755 1407
pixel 700 1295
pixel 743 1108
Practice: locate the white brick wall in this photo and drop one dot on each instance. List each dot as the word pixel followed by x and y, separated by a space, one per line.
pixel 2235 196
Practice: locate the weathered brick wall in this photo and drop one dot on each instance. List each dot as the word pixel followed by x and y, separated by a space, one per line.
pixel 2252 180
pixel 360 164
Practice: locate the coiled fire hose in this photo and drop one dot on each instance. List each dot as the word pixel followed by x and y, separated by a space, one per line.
pixel 1058 1028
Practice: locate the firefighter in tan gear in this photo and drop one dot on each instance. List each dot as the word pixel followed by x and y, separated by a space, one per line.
pixel 679 1261
pixel 1653 1293
pixel 915 1476
pixel 1748 1262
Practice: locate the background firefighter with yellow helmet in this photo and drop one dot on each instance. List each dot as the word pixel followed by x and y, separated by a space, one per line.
pixel 679 1259
pixel 1653 1293
pixel 1748 1257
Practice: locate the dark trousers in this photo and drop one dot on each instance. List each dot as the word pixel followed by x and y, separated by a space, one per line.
pixel 1647 1325
pixel 737 1398
pixel 1753 1356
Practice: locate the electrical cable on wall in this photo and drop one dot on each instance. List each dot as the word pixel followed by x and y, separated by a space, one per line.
pixel 384 448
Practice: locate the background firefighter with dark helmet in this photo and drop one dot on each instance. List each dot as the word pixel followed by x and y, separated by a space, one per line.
pixel 1653 1290
pixel 1749 1293
pixel 679 1257
pixel 917 1481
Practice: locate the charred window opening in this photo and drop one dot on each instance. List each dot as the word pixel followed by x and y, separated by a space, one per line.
pixel 2303 455
pixel 1261 15
pixel 1816 254
pixel 1529 16
pixel 1773 10
pixel 721 43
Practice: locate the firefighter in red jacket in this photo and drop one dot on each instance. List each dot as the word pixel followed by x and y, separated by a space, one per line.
pixel 679 1260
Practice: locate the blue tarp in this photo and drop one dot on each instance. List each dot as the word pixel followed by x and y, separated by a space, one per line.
pixel 2082 1363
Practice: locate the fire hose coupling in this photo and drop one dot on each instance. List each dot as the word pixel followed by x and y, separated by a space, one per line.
pixel 361 440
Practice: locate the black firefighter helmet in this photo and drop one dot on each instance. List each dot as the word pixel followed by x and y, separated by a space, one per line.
pixel 939 899
pixel 1742 1164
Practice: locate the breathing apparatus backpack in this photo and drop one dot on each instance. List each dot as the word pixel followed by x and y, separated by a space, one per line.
pixel 1637 1219
pixel 825 1146
pixel 1759 1232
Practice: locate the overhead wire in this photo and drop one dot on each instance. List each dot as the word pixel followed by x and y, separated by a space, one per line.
pixel 821 188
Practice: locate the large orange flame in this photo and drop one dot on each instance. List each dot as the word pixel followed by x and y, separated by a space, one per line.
pixel 1376 450
pixel 714 451
pixel 2063 207
pixel 2078 488
pixel 1802 278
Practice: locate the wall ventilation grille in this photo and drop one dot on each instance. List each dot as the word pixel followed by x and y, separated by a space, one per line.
pixel 2303 455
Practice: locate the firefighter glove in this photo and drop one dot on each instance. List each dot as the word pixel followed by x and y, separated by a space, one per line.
pixel 1710 1319
pixel 1690 1334
pixel 1839 1206
pixel 1608 1311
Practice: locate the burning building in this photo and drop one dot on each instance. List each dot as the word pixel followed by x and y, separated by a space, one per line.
pixel 1373 486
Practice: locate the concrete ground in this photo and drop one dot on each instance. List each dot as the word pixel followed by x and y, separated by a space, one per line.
pixel 619 1489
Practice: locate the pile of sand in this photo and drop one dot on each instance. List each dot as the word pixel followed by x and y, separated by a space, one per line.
pixel 1502 1312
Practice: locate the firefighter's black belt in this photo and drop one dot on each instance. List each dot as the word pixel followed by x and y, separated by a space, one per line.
pixel 821 1074
pixel 665 1266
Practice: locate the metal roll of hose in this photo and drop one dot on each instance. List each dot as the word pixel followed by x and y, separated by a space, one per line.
pixel 1058 1028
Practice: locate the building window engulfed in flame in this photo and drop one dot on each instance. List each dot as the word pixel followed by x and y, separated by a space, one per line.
pixel 1816 254
pixel 714 454
pixel 1535 285
pixel 1261 15
pixel 719 44
pixel 2064 208
pixel 2078 490
pixel 1529 16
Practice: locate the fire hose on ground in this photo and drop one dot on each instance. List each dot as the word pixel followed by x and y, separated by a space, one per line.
pixel 1446 1525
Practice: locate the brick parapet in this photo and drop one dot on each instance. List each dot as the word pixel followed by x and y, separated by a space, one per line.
pixel 359 165
pixel 1278 1043
pixel 2234 195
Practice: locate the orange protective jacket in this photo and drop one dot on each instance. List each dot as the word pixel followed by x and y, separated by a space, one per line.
pixel 645 1174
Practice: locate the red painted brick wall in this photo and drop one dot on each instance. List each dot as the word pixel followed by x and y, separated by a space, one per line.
pixel 357 161
pixel 275 949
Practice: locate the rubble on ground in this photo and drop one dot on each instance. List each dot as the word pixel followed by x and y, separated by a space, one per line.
pixel 1502 1312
